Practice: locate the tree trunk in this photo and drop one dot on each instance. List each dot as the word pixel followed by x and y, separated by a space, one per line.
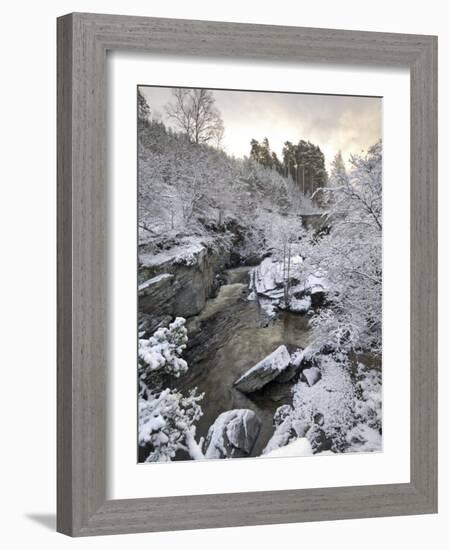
pixel 287 299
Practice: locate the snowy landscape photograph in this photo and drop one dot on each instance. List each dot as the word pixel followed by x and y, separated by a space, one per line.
pixel 259 274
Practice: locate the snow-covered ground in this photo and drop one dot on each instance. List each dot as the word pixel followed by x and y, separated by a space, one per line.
pixel 298 447
pixel 334 412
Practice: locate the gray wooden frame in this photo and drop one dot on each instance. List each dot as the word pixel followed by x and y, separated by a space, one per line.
pixel 83 40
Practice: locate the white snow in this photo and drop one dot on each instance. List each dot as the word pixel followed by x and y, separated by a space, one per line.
pixel 267 283
pixel 350 411
pixel 311 375
pixel 280 437
pixel 333 396
pixel 298 447
pixel 164 348
pixel 362 438
pixel 268 276
pixel 149 426
pixel 300 305
pixel 268 305
pixel 369 406
pixel 154 280
pixel 298 356
pixel 167 422
pixel 186 252
pixel 315 282
pixel 278 360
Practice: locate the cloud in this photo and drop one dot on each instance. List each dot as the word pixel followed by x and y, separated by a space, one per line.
pixel 347 123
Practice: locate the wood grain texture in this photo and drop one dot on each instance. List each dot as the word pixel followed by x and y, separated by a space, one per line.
pixel 83 40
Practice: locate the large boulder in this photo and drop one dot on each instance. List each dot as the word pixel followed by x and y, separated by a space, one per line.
pixel 265 371
pixel 318 439
pixel 233 434
pixel 268 279
pixel 305 292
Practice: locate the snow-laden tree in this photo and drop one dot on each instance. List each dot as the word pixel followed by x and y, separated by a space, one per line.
pixel 143 109
pixel 167 422
pixel 167 418
pixel 183 187
pixel 195 113
pixel 163 350
pixel 351 257
pixel 188 189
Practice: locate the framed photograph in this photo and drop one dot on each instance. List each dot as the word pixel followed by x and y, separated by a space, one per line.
pixel 247 288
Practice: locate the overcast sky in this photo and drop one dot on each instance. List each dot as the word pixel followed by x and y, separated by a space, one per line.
pixel 346 123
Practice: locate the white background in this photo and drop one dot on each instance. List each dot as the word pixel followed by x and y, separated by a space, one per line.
pixel 131 480
pixel 27 126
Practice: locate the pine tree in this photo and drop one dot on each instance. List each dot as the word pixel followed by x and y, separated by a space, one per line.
pixel 338 170
pixel 143 109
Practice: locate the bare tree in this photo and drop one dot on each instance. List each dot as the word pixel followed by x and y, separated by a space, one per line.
pixel 195 113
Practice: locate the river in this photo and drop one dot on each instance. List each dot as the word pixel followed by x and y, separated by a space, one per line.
pixel 229 336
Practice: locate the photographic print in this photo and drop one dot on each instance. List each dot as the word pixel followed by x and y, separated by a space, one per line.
pixel 259 274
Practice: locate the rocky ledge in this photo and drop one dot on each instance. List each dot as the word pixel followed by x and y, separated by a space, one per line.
pixel 177 282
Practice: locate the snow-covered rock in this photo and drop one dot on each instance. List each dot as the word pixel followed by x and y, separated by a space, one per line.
pixel 316 283
pixel 268 282
pixel 286 428
pixel 330 405
pixel 233 434
pixel 265 371
pixel 296 359
pixel 311 375
pixel 337 413
pixel 298 447
pixel 268 278
pixel 282 429
pixel 318 439
pixel 299 305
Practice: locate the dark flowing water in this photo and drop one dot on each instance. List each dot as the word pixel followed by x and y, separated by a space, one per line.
pixel 227 338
